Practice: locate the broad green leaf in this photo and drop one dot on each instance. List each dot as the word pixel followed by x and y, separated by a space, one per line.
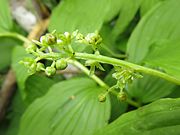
pixel 36 86
pixel 6 47
pixel 6 22
pixel 86 16
pixel 161 117
pixel 175 93
pixel 159 23
pixel 21 72
pixel 149 89
pixel 69 108
pixel 166 56
pixel 146 5
pixel 127 12
pixel 117 108
pixel 120 15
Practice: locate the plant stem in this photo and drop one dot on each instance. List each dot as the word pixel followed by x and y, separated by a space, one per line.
pixel 15 35
pixel 99 81
pixel 117 62
pixel 86 71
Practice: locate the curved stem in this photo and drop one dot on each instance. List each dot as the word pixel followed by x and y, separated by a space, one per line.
pixel 99 81
pixel 15 35
pixel 117 62
pixel 86 71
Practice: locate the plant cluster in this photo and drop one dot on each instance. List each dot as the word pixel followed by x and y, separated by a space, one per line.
pixel 57 48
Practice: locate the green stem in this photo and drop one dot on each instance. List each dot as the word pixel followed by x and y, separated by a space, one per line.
pixel 15 35
pixel 99 81
pixel 117 62
pixel 76 63
pixel 86 71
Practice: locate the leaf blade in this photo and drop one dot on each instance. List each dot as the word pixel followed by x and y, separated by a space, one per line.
pixel 58 108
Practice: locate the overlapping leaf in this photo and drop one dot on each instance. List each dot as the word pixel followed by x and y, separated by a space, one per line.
pixel 6 22
pixel 166 56
pixel 69 108
pixel 161 117
pixel 150 88
pixel 159 23
pixel 21 72
pixel 86 16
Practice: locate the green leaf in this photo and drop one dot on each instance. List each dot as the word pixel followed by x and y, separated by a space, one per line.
pixel 117 108
pixel 158 118
pixel 86 16
pixel 6 46
pixel 165 55
pixel 149 88
pixel 146 5
pixel 127 12
pixel 70 108
pixel 6 22
pixel 36 86
pixel 20 71
pixel 159 23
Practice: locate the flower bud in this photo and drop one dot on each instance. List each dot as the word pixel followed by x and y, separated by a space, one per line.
pixel 31 48
pixel 40 66
pixel 122 96
pixel 32 68
pixel 67 35
pixel 48 39
pixel 80 38
pixel 102 97
pixel 50 71
pixel 61 64
pixel 93 38
pixel 43 40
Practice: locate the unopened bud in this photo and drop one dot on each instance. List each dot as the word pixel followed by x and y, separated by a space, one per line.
pixel 40 66
pixel 102 97
pixel 122 96
pixel 61 64
pixel 50 71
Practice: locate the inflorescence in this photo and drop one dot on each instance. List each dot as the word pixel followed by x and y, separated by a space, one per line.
pixel 57 48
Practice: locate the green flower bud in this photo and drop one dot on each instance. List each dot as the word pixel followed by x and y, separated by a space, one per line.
pixel 102 97
pixel 93 38
pixel 74 34
pixel 51 39
pixel 61 64
pixel 48 39
pixel 50 71
pixel 122 96
pixel 43 40
pixel 27 62
pixel 40 66
pixel 31 48
pixel 32 68
pixel 67 35
pixel 79 36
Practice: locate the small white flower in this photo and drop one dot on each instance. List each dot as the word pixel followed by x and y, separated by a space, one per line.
pixel 67 34
pixel 59 41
